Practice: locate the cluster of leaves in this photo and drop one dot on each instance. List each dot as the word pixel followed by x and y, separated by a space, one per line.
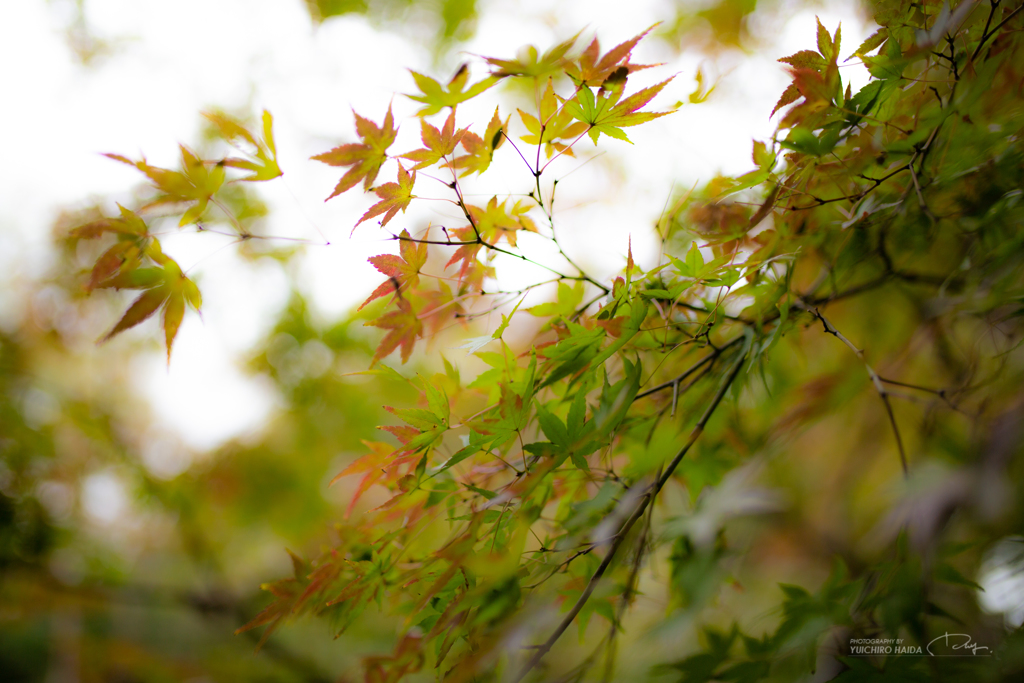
pixel 137 261
pixel 538 480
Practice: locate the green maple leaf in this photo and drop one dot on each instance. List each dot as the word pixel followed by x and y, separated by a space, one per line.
pixel 871 43
pixel 703 91
pixel 393 197
pixel 606 114
pixel 554 123
pixel 402 271
pixel 366 158
pixel 264 167
pixel 438 144
pixel 529 62
pixel 194 183
pixel 437 98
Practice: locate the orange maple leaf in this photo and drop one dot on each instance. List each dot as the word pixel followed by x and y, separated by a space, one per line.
pixel 402 270
pixel 403 326
pixel 592 69
pixel 365 159
pixel 437 143
pixel 479 150
pixel 499 220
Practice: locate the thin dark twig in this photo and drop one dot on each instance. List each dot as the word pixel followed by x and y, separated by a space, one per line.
pixel 920 197
pixel 628 596
pixel 941 393
pixel 690 370
pixel 876 380
pixel 532 170
pixel 620 536
pixel 858 195
pixel 989 34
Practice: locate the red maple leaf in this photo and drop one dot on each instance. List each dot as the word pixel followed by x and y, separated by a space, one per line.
pixel 404 328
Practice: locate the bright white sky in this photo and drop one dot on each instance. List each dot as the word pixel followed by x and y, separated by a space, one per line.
pixel 174 59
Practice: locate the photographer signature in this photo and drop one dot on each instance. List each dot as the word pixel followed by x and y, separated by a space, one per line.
pixel 960 641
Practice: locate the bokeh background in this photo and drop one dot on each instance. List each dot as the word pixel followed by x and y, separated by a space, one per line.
pixel 142 503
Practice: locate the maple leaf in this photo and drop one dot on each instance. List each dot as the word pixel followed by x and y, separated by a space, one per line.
pixel 402 271
pixel 437 98
pixel 606 114
pixel 480 151
pixel 439 306
pixel 285 590
pixel 372 464
pixel 466 253
pixel 265 166
pixel 592 69
pixel 403 329
pixel 438 143
pixel 815 74
pixel 805 59
pixel 194 183
pixel 703 92
pixel 871 43
pixel 554 123
pixel 497 220
pixel 366 158
pixel 393 196
pixel 125 255
pixel 811 84
pixel 165 287
pixel 141 309
pixel 529 62
pixel 789 95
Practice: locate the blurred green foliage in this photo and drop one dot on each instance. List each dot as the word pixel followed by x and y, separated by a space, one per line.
pixel 863 463
pixel 455 17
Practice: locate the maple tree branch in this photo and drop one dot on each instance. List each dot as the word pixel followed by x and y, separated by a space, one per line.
pixel 993 6
pixel 876 380
pixel 532 170
pixel 674 383
pixel 242 232
pixel 920 197
pixel 482 242
pixel 582 309
pixel 988 34
pixel 549 214
pixel 462 205
pixel 941 393
pixel 620 536
pixel 442 243
pixel 628 597
pixel 859 195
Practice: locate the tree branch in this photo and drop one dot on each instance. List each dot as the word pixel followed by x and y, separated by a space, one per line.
pixel 876 380
pixel 620 537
